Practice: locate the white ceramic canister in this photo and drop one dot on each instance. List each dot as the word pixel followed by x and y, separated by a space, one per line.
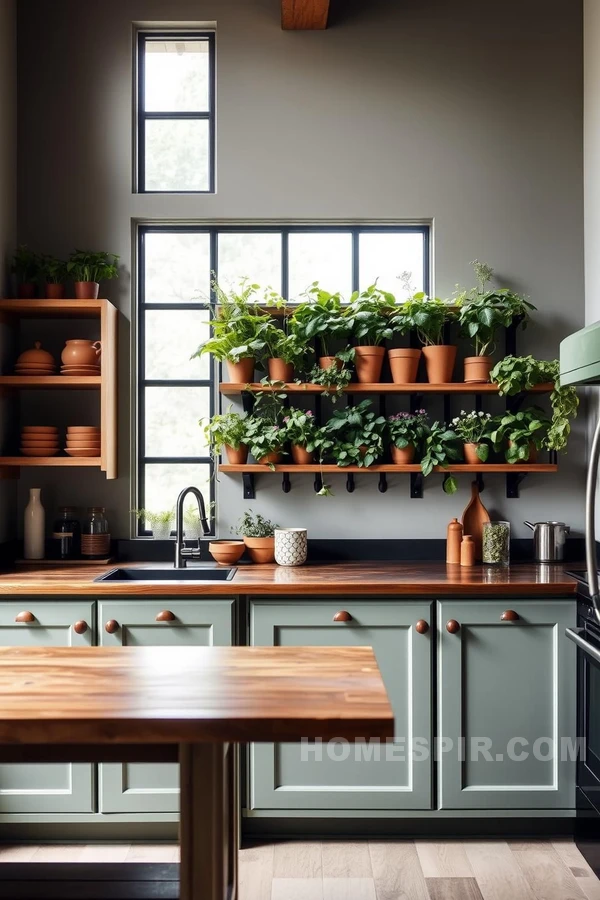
pixel 291 546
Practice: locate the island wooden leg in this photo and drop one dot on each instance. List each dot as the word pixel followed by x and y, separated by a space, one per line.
pixel 208 869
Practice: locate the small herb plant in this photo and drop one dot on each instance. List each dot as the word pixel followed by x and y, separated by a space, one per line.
pixel 320 317
pixel 225 430
pixel 54 271
pixel 521 429
pixel 301 428
pixel 425 315
pixel 160 522
pixel 368 316
pixel 87 265
pixel 357 435
pixel 286 346
pixel 338 375
pixel 474 428
pixel 408 429
pixel 239 327
pixel 254 525
pixel 442 447
pixel 26 264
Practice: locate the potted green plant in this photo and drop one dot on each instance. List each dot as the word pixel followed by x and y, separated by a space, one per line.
pixel 474 429
pixel 407 433
pixel 442 447
pixel 265 440
pixel 88 268
pixel 321 317
pixel 428 316
pixel 357 435
pixel 239 328
pixel 404 361
pixel 228 430
pixel 26 267
pixel 284 353
pixel 515 374
pixel 481 313
pixel 300 431
pixel 258 535
pixel 336 376
pixel 522 434
pixel 54 272
pixel 160 523
pixel 368 315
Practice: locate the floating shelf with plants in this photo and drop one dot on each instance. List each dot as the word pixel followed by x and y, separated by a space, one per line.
pixel 362 438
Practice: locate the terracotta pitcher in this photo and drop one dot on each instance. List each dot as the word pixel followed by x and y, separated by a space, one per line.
pixel 81 353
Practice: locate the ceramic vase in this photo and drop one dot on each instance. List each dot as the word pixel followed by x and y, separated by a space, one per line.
pixel 34 526
pixel 291 546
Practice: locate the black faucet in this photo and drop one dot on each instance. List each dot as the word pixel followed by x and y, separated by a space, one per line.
pixel 183 553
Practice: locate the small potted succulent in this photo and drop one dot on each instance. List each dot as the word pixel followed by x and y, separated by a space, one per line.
pixel 258 535
pixel 474 429
pixel 301 432
pixel 522 433
pixel 368 316
pixel 160 523
pixel 88 268
pixel 54 272
pixel 284 353
pixel 442 447
pixel 26 266
pixel 407 432
pixel 428 316
pixel 357 435
pixel 228 430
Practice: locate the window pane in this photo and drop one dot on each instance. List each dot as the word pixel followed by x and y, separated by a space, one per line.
pixel 325 257
pixel 257 256
pixel 177 155
pixel 387 256
pixel 172 417
pixel 165 481
pixel 176 76
pixel 171 338
pixel 177 268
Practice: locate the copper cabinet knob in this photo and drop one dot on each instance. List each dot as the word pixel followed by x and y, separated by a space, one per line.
pixel 80 627
pixel 111 626
pixel 422 627
pixel 509 615
pixel 165 616
pixel 342 616
pixel 452 626
pixel 25 616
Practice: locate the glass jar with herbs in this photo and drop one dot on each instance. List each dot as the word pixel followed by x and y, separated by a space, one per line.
pixel 66 534
pixel 495 545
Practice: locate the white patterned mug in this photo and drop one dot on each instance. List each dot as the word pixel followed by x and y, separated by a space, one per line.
pixel 291 546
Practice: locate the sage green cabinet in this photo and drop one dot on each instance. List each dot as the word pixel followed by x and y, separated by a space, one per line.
pixel 149 787
pixel 346 776
pixel 47 787
pixel 503 686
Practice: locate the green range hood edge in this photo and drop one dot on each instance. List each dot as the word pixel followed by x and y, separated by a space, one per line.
pixel 580 356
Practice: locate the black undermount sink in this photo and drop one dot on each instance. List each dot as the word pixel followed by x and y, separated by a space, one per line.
pixel 193 574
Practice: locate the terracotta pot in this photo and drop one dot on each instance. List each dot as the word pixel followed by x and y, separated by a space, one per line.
pixel 26 290
pixel 478 368
pixel 226 552
pixel 325 362
pixel 54 291
pixel 261 550
pixel 301 456
pixel 37 357
pixel 81 353
pixel 533 453
pixel 403 456
pixel 86 290
pixel 268 458
pixel 404 363
pixel 237 457
pixel 241 372
pixel 439 361
pixel 280 370
pixel 470 454
pixel 368 362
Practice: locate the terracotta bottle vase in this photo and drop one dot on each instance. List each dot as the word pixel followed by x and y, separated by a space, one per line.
pixel 404 364
pixel 241 372
pixel 454 535
pixel 473 517
pixel 236 457
pixel 467 551
pixel 81 353
pixel 402 456
pixel 439 362
pixel 478 368
pixel 301 456
pixel 86 290
pixel 280 370
pixel 368 362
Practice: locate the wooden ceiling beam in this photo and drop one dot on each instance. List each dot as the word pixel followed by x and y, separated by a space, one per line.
pixel 297 15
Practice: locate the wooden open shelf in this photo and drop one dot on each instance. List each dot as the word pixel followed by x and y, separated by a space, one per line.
pixel 72 309
pixel 490 468
pixel 231 389
pixel 43 382
pixel 56 461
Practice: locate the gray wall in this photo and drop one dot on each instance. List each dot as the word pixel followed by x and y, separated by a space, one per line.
pixel 464 113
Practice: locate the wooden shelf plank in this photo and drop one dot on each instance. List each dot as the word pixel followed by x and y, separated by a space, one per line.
pixel 55 461
pixel 232 389
pixel 44 382
pixel 83 309
pixel 304 14
pixel 490 468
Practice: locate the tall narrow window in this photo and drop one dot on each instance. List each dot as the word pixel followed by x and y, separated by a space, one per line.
pixel 176 112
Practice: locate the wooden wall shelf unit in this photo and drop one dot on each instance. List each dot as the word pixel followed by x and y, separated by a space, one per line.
pixel 231 389
pixel 11 311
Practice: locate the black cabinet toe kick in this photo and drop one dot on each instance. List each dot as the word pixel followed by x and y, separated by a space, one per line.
pixel 89 881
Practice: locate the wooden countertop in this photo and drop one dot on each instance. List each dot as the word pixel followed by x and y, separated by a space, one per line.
pixel 321 579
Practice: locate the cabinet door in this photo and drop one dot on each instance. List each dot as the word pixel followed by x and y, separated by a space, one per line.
pixel 339 776
pixel 503 686
pixel 46 787
pixel 151 787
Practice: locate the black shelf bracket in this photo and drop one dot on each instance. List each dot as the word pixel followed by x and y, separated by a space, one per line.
pixel 248 401
pixel 318 484
pixel 416 485
pixel 350 483
pixel 383 485
pixel 286 484
pixel 513 482
pixel 249 488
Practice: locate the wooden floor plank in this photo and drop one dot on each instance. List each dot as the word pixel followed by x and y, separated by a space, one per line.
pixel 349 889
pixel 349 859
pixel 453 889
pixel 153 853
pixel 497 871
pixel 256 872
pixel 297 889
pixel 47 853
pixel 530 845
pixel 98 853
pixel 548 877
pixel 297 859
pixel 397 871
pixel 18 853
pixel 443 859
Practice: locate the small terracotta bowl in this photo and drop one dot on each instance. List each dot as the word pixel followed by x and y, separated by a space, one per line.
pixel 226 552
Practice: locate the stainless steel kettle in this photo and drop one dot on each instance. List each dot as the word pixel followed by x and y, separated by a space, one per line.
pixel 549 540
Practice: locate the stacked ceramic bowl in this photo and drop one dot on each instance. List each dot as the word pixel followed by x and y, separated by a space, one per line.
pixel 83 440
pixel 39 440
pixel 35 362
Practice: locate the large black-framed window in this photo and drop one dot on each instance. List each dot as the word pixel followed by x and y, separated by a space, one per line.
pixel 174 301
pixel 176 111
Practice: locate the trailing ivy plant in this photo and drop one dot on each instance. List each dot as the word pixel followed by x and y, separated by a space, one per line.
pixel 357 435
pixel 337 375
pixel 514 374
pixel 442 447
pixel 520 429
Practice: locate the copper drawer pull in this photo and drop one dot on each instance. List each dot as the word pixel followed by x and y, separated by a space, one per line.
pixel 80 627
pixel 165 616
pixel 452 626
pixel 25 616
pixel 422 627
pixel 342 616
pixel 509 615
pixel 111 626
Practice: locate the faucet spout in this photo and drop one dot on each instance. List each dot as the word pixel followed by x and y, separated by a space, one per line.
pixel 183 553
